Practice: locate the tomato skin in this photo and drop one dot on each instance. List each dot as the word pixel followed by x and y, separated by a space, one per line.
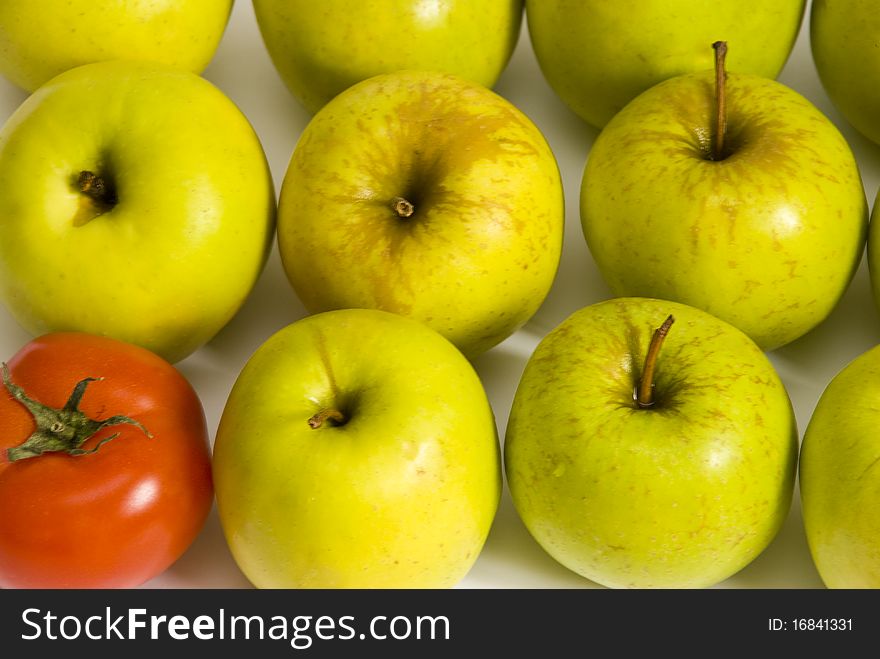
pixel 117 517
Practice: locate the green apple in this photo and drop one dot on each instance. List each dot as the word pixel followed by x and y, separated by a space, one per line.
pixel 425 195
pixel 762 224
pixel 41 38
pixel 840 477
pixel 844 38
pixel 598 55
pixel 136 203
pixel 357 450
pixel 668 471
pixel 322 48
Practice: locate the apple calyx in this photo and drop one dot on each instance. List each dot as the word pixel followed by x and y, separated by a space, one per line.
pixel 403 207
pixel 335 417
pixel 643 393
pixel 720 101
pixel 98 197
pixel 62 430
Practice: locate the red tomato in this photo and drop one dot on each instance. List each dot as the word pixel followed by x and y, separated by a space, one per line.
pixel 120 515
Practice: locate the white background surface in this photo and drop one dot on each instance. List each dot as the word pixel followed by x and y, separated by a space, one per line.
pixel 510 558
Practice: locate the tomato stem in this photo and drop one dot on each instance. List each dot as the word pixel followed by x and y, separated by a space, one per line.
pixel 62 430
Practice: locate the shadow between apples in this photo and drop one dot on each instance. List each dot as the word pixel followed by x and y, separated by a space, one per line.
pixel 207 563
pixel 577 281
pixel 509 548
pixel 11 97
pixel 271 306
pixel 512 557
pixel 242 64
pixel 500 370
pixel 808 364
pixel 785 563
pixel 213 369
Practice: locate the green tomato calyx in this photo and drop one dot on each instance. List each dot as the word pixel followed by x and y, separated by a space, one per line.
pixel 644 390
pixel 98 196
pixel 720 102
pixel 62 430
pixel 335 417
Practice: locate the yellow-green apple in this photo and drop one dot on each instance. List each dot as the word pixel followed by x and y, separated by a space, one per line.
pixel 598 55
pixel 639 462
pixel 873 252
pixel 761 223
pixel 41 38
pixel 840 477
pixel 425 195
pixel 357 450
pixel 136 203
pixel 322 48
pixel 845 40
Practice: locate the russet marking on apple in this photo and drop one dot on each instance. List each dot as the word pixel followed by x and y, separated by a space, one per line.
pixel 761 224
pixel 428 196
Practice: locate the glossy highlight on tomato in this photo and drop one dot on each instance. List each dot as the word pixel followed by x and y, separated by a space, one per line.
pixel 114 513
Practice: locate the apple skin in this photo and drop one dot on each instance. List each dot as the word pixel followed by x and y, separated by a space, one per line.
pixel 400 496
pixel 767 238
pixel 181 34
pixel 174 259
pixel 873 251
pixel 679 495
pixel 839 477
pixel 843 39
pixel 598 55
pixel 480 252
pixel 322 48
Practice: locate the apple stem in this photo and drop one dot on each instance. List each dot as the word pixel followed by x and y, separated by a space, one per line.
pixel 645 396
pixel 327 414
pixel 403 207
pixel 95 187
pixel 98 197
pixel 720 101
